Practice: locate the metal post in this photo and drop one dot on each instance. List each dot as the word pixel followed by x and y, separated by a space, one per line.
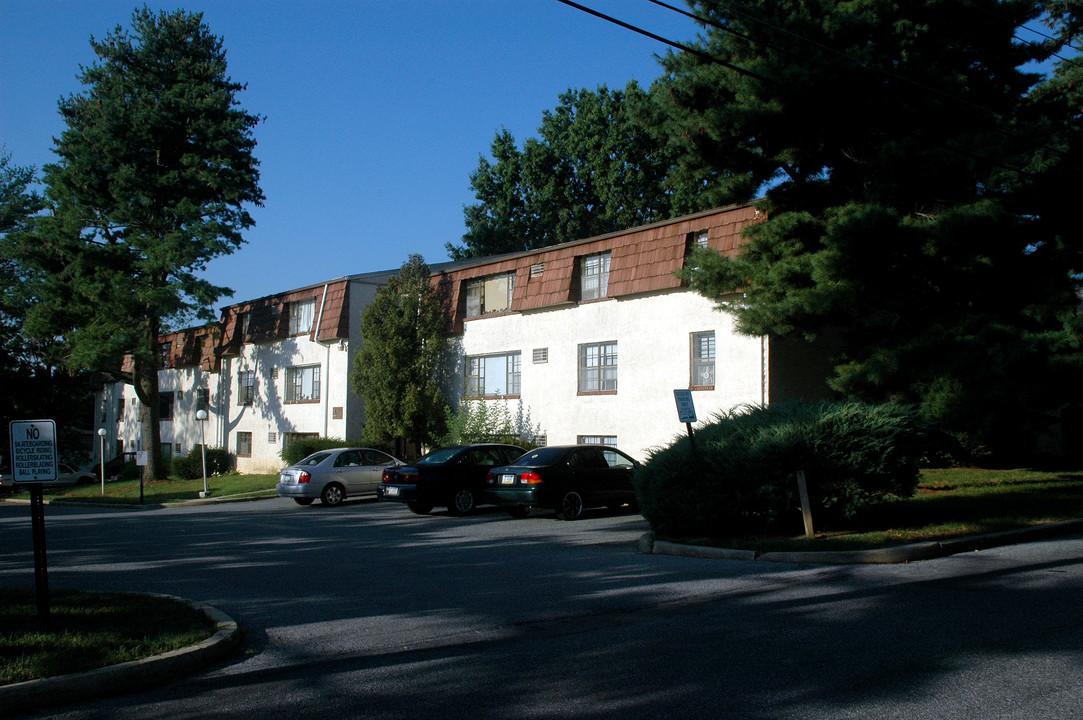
pixel 101 452
pixel 41 565
pixel 806 508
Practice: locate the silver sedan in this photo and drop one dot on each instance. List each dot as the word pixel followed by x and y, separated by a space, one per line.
pixel 334 475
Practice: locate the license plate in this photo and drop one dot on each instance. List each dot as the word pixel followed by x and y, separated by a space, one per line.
pixel 391 491
pixel 507 479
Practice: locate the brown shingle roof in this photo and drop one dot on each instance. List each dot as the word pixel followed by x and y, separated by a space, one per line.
pixel 642 260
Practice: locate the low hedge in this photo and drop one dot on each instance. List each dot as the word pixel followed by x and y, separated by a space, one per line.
pixel 298 450
pixel 740 476
pixel 190 466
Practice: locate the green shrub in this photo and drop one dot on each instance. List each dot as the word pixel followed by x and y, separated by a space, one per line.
pixel 190 466
pixel 478 421
pixel 298 450
pixel 740 477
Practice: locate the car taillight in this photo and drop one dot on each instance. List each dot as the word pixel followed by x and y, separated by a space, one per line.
pixel 304 477
pixel 530 478
pixel 386 477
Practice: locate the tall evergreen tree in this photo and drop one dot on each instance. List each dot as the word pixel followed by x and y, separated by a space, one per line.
pixel 594 168
pixel 404 331
pixel 916 178
pixel 154 173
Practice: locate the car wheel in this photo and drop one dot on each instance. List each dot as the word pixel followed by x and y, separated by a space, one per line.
pixel 333 495
pixel 518 512
pixel 304 501
pixel 462 502
pixel 419 508
pixel 571 506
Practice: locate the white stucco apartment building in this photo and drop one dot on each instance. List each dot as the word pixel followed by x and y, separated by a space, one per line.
pixel 589 339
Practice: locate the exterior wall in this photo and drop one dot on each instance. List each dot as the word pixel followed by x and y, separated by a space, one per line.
pixel 653 349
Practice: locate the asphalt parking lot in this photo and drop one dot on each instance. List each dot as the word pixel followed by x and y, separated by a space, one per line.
pixel 369 611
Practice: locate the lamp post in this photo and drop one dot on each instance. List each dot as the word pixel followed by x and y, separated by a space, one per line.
pixel 101 453
pixel 201 416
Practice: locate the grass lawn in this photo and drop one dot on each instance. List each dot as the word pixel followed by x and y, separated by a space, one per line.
pixel 164 491
pixel 949 503
pixel 90 630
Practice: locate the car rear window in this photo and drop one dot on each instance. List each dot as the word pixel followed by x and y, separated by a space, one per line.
pixel 314 459
pixel 541 456
pixel 437 457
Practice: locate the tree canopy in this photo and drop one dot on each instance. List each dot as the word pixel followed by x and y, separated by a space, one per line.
pixel 154 173
pixel 404 331
pixel 917 176
pixel 594 168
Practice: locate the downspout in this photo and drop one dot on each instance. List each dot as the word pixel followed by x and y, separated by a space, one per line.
pixel 325 390
pixel 764 380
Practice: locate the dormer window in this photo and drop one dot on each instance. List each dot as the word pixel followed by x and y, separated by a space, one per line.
pixel 302 315
pixel 489 294
pixel 593 276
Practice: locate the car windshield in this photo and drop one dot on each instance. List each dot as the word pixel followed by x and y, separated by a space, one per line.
pixel 438 457
pixel 541 456
pixel 314 459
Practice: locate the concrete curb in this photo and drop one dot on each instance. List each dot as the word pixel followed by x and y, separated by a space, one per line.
pixel 900 554
pixel 127 677
pixel 247 497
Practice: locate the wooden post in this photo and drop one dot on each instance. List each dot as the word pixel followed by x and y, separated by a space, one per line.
pixel 806 510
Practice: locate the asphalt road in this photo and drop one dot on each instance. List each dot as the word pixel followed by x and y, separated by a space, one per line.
pixel 367 611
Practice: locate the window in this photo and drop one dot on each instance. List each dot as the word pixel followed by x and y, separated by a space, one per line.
pixel 244 444
pixel 165 405
pixel 303 384
pixel 702 361
pixel 537 269
pixel 489 295
pixel 302 314
pixel 246 319
pixel 272 438
pixel 598 368
pixel 607 440
pixel 246 387
pixel 203 399
pixel 164 351
pixel 120 409
pixel 697 239
pixel 493 375
pixel 593 276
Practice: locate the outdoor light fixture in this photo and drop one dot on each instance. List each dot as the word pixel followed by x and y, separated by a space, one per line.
pixel 101 453
pixel 201 416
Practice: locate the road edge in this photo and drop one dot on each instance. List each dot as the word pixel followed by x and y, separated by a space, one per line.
pixel 33 695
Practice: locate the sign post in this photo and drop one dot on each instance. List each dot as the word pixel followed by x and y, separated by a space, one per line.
pixel 686 412
pixel 33 463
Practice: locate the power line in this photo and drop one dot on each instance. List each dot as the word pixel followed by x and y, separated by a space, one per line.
pixel 672 43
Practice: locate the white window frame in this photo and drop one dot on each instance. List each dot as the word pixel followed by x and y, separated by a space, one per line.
pixel 303 384
pixel 489 294
pixel 598 368
pixel 302 316
pixel 244 439
pixel 604 440
pixel 476 375
pixel 594 276
pixel 246 391
pixel 702 359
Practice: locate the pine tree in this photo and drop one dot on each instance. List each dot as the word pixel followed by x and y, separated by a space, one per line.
pixel 154 172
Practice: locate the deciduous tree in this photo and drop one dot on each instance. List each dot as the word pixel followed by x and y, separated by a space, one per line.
pixel 594 168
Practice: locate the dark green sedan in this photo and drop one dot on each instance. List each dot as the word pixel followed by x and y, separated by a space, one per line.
pixel 566 478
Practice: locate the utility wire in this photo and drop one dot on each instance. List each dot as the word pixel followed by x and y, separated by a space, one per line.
pixel 672 43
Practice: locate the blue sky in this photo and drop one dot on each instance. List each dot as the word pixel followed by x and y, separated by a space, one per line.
pixel 376 110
